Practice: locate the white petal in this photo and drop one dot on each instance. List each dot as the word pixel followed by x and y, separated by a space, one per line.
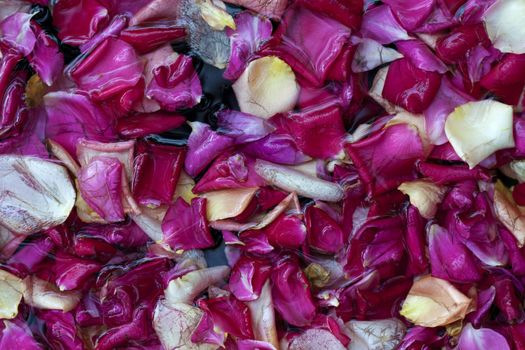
pixel 370 54
pixel 478 129
pixel 34 194
pixel 375 335
pixel 504 24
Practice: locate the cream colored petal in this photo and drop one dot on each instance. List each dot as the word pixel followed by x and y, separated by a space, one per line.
pixel 478 129
pixel 509 213
pixel 424 195
pixel 266 87
pixel 504 25
pixel 229 203
pixel 11 291
pixel 433 302
pixel 45 295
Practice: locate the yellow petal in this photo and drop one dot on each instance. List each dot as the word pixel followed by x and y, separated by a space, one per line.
pixel 226 204
pixel 184 187
pixel 424 195
pixel 215 15
pixel 433 302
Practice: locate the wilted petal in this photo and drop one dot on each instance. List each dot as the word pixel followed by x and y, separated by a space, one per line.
pixel 377 334
pixel 174 325
pixel 35 194
pixel 509 213
pixel 316 339
pixel 263 316
pixel 433 302
pixel 292 180
pixel 271 8
pixel 478 129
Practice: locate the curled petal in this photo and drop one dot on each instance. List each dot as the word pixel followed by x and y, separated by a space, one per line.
pixel 292 180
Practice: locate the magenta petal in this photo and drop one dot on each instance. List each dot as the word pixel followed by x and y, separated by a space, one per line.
pixel 411 13
pixel 16 335
pixel 318 132
pixel 291 293
pixel 243 127
pixel 72 117
pixel 112 68
pixel 449 258
pixel 185 226
pixel 380 24
pixel 175 85
pixel 421 56
pixel 230 315
pixel 17 33
pixel 100 183
pixel 156 173
pixel 247 278
pixel 61 331
pixel 409 87
pixel 204 145
pixel 287 231
pixel 78 21
pixel 72 273
pixel 230 170
pixel 205 332
pixel 46 58
pixel 483 338
pixel 250 33
pixel 277 148
pixel 324 233
pixel 386 159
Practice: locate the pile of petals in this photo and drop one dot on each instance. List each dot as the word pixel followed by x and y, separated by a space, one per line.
pixel 262 174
